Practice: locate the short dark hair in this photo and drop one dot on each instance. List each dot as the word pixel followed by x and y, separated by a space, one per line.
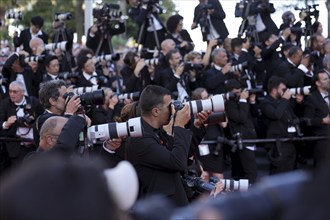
pixel 49 89
pixel 231 84
pixel 49 59
pixel 235 42
pixel 37 21
pixel 129 58
pixel 172 22
pixel 293 51
pixel 169 54
pixel 316 76
pixel 151 97
pixel 274 82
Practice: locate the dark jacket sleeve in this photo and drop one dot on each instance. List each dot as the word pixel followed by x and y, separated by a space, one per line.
pixel 69 137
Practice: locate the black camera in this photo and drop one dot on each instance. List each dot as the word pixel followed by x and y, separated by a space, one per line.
pixel 255 90
pixel 27 120
pixel 3 80
pixel 14 15
pixel 178 105
pixel 62 16
pixel 88 98
pixel 192 66
pixel 109 11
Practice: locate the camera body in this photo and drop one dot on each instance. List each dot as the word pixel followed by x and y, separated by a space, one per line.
pixel 27 120
pixel 192 66
pixel 107 11
pixel 88 98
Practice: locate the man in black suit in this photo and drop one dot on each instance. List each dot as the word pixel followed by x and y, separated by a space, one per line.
pixel 158 157
pixel 51 98
pixel 215 77
pixel 239 113
pixel 209 15
pixel 317 108
pixel 152 31
pixel 269 53
pixel 16 70
pixel 174 78
pixel 52 67
pixel 89 76
pixel 27 34
pixel 294 69
pixel 17 116
pixel 280 123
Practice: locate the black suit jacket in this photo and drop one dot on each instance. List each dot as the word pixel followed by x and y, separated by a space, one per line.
pixel 214 80
pixel 316 109
pixel 104 39
pixel 158 161
pixel 240 119
pixel 133 83
pixel 185 37
pixel 279 114
pixel 216 18
pixel 25 37
pixel 7 109
pixel 31 81
pixel 293 76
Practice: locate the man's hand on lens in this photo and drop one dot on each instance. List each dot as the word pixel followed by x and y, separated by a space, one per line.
pixel 201 117
pixel 182 116
pixel 73 105
pixel 113 144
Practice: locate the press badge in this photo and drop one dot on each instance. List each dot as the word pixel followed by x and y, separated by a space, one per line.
pixel 291 129
pixel 203 149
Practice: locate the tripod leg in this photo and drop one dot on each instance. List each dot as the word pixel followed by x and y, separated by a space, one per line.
pixel 99 46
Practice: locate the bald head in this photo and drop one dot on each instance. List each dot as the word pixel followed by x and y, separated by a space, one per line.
pixel 36 45
pixel 50 130
pixel 167 45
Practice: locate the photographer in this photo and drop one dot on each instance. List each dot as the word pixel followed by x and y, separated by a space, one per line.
pixel 280 124
pixel 289 19
pixel 51 98
pixel 17 117
pixel 15 69
pixel 215 77
pixel 52 68
pixel 145 14
pixel 294 70
pixel 158 157
pixel 26 35
pixel 174 78
pixel 107 112
pixel 136 74
pixel 60 135
pixel 269 53
pixel 180 36
pixel 317 109
pixel 210 15
pixel 240 122
pixel 89 76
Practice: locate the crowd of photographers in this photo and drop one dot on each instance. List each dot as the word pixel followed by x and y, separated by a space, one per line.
pixel 178 115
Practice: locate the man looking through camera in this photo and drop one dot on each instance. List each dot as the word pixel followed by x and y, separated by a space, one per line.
pixel 158 157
